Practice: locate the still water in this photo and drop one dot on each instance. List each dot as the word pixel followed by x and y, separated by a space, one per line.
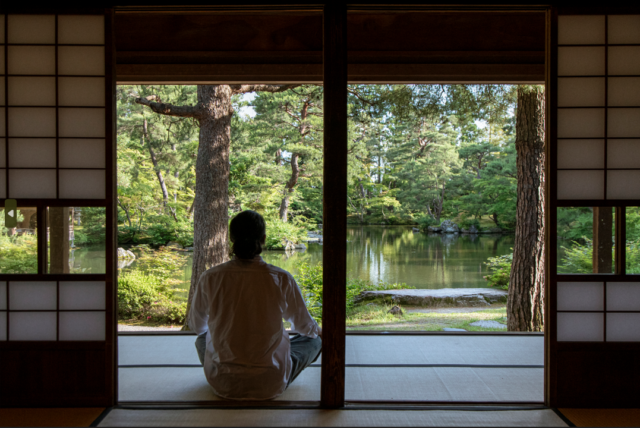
pixel 396 254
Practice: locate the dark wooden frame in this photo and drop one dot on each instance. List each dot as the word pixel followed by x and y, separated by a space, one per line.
pixel 60 373
pixel 584 374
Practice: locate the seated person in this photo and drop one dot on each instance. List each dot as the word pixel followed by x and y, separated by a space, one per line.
pixel 237 312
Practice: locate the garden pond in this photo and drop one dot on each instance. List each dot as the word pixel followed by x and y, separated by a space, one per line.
pixel 393 254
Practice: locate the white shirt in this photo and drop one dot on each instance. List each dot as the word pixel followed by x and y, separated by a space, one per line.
pixel 241 304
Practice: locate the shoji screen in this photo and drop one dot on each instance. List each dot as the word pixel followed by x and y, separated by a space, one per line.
pixel 56 131
pixel 595 161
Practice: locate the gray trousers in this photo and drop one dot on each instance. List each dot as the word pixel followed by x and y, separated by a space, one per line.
pixel 304 352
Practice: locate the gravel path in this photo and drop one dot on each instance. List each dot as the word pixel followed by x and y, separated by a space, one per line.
pixel 451 310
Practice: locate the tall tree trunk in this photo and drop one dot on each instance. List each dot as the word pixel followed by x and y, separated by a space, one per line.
pixel 211 218
pixel 154 160
pixel 525 307
pixel 295 173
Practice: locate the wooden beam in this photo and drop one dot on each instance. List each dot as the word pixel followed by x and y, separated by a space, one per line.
pixel 334 251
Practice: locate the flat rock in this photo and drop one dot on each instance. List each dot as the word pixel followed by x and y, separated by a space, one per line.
pixel 488 324
pixel 453 329
pixel 444 297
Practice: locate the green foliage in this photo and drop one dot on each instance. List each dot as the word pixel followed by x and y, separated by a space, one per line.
pixel 278 232
pixel 143 296
pixel 162 263
pixel 500 270
pixel 469 222
pixel 309 279
pixel 92 227
pixel 426 221
pixel 19 253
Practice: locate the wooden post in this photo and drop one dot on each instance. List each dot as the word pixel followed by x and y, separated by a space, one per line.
pixel 334 251
pixel 602 240
pixel 59 240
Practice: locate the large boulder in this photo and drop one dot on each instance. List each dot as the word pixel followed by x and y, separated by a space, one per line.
pixel 415 230
pixel 473 229
pixel 449 227
pixel 126 254
pixel 445 297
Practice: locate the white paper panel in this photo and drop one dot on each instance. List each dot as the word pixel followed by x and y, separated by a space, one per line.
pixel 623 296
pixel 31 60
pixel 3 326
pixel 580 296
pixel 623 184
pixel 32 295
pixel 81 29
pixel 580 327
pixel 2 124
pixel 580 184
pixel 32 122
pixel 580 153
pixel 32 183
pixel 3 294
pixel 2 98
pixel 624 91
pixel 581 61
pixel 581 92
pixel 1 28
pixel 32 152
pixel 82 326
pixel 581 30
pixel 3 183
pixel 82 295
pixel 81 60
pixel 35 29
pixel 624 29
pixel 32 326
pixel 624 60
pixel 81 122
pixel 82 184
pixel 78 153
pixel 81 91
pixel 623 153
pixel 3 153
pixel 32 91
pixel 623 122
pixel 623 327
pixel 581 123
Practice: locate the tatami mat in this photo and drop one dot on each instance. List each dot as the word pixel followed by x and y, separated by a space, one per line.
pixel 185 384
pixel 330 418
pixel 492 350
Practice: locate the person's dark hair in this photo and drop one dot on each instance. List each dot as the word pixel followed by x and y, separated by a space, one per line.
pixel 247 229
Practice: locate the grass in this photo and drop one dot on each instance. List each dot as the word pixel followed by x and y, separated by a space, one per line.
pixel 377 318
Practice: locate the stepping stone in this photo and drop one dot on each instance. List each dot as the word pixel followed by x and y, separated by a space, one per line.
pixel 488 324
pixel 453 329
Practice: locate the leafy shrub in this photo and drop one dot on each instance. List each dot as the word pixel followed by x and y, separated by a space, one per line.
pixel 578 258
pixel 18 254
pixel 309 279
pixel 278 232
pixel 146 297
pixel 500 270
pixel 468 222
pixel 426 221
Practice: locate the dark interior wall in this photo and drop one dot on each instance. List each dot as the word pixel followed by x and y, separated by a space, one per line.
pixel 416 47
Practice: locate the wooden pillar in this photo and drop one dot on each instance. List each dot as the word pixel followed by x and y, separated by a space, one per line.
pixel 602 240
pixel 334 251
pixel 58 240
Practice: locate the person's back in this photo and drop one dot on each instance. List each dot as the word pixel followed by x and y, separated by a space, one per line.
pixel 242 303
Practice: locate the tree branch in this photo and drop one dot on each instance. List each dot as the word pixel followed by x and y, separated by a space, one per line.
pixel 242 89
pixel 168 109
